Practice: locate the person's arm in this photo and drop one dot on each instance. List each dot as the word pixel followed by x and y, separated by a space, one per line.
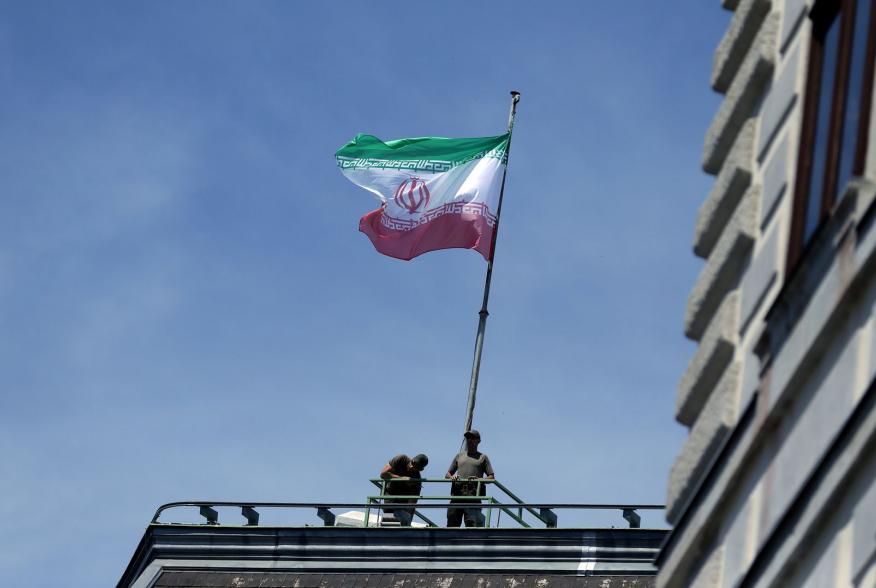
pixel 488 469
pixel 451 471
pixel 386 473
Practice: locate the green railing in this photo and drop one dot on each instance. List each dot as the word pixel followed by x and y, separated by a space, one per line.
pixel 545 515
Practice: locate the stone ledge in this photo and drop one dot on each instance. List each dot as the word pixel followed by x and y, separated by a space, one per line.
pixel 708 433
pixel 747 20
pixel 810 305
pixel 742 98
pixel 708 364
pixel 730 185
pixel 722 270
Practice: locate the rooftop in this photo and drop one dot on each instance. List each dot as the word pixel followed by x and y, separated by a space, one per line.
pixel 319 545
pixel 211 555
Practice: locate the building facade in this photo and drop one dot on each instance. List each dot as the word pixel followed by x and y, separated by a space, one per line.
pixel 235 556
pixel 775 483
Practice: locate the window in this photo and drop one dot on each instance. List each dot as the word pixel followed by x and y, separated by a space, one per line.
pixel 836 112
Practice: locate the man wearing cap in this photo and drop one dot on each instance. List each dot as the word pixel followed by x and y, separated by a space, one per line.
pixel 468 466
pixel 406 471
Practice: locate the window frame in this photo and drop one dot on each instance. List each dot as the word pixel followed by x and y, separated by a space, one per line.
pixel 822 16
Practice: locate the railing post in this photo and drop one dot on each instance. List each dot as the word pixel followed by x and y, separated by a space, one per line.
pixel 210 514
pixel 632 518
pixel 327 516
pixel 549 517
pixel 251 515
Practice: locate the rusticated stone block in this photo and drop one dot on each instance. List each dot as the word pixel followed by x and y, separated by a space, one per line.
pixel 746 22
pixel 730 185
pixel 707 365
pixel 722 271
pixel 711 428
pixel 743 96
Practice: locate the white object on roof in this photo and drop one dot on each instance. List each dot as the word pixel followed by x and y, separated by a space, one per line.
pixel 355 518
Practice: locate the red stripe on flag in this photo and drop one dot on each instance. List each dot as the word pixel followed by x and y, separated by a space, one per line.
pixel 448 231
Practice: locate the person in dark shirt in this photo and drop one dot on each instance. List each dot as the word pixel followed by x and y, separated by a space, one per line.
pixel 468 466
pixel 405 471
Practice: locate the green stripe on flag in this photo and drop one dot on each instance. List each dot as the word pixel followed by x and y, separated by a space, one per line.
pixel 429 153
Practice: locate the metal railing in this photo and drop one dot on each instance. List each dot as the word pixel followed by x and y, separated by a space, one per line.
pixel 545 515
pixel 543 512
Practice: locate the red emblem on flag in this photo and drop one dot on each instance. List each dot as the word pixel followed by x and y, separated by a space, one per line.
pixel 412 195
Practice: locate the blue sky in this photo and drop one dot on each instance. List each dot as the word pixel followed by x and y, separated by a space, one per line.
pixel 189 312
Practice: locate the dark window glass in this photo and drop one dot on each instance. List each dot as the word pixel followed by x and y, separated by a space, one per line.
pixel 822 128
pixel 856 86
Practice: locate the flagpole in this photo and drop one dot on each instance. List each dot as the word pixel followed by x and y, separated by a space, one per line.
pixel 484 313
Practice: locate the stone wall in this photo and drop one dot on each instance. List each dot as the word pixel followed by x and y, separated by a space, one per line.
pixel 775 484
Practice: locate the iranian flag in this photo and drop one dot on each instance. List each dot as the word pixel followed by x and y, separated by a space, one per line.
pixel 434 193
